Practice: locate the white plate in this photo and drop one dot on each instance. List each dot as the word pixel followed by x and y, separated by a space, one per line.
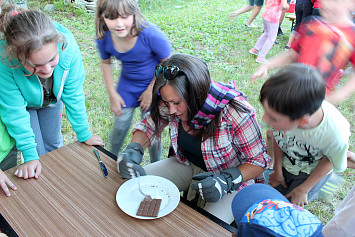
pixel 129 198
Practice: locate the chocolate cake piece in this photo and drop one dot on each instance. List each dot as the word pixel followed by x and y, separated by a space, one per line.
pixel 149 207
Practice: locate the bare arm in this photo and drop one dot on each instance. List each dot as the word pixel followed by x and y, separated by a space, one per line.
pixel 278 156
pixel 343 92
pixel 116 101
pixel 141 138
pixel 284 5
pixel 106 68
pixel 282 59
pixel 250 171
pixel 299 196
pixel 146 96
pixel 276 178
pixel 279 60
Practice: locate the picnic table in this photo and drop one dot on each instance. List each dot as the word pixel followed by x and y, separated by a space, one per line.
pixel 73 198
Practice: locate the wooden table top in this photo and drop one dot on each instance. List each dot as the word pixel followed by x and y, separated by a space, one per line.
pixel 73 198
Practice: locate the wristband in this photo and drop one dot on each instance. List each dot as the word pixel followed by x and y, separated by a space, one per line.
pixel 136 146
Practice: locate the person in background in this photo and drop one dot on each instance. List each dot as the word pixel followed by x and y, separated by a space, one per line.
pixel 343 222
pixel 270 17
pixel 326 43
pixel 254 5
pixel 311 137
pixel 123 33
pixel 41 69
pixel 316 7
pixel 303 9
pixel 281 19
pixel 216 140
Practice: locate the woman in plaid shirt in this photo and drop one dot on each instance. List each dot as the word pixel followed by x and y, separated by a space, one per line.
pixel 217 142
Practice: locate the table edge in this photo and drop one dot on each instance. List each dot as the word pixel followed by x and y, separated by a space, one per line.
pixel 213 218
pixel 7 229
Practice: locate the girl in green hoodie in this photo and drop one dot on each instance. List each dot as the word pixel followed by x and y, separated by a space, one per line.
pixel 41 69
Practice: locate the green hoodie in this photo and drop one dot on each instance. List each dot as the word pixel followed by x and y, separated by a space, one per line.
pixel 6 142
pixel 18 92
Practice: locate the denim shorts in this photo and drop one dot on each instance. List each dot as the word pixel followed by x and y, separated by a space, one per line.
pixel 256 2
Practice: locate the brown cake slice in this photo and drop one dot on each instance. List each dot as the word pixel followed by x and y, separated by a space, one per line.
pixel 149 207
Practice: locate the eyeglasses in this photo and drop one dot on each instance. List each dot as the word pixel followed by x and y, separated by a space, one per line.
pixel 169 72
pixel 36 66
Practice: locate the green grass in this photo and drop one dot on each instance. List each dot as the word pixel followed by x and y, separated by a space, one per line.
pixel 197 27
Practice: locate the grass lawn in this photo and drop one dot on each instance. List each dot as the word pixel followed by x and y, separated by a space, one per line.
pixel 200 28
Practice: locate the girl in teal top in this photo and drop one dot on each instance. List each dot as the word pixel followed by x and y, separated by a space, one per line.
pixel 41 68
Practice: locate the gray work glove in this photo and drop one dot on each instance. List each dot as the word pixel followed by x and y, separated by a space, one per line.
pixel 212 186
pixel 128 162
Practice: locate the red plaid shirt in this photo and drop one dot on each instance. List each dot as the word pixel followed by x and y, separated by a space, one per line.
pixel 238 140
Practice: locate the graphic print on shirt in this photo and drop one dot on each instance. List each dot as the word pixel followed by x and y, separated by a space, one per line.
pixel 296 151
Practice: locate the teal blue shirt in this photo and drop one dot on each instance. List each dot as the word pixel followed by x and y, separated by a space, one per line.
pixel 17 92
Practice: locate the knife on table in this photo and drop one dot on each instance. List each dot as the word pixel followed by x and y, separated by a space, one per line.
pixel 103 167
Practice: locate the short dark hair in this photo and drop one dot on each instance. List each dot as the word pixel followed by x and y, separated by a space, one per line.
pixel 295 90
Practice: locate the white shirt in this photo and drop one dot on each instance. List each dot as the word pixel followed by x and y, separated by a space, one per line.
pixel 303 148
pixel 343 222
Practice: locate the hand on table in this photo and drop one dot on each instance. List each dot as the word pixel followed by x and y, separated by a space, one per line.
pixel 5 182
pixel 128 162
pixel 94 140
pixel 298 196
pixel 29 169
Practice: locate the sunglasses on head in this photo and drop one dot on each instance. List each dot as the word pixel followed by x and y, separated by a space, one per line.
pixel 169 72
